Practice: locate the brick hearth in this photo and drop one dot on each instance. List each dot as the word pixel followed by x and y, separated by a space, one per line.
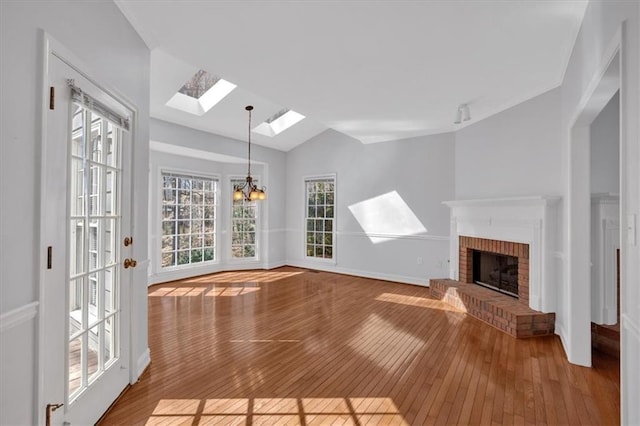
pixel 509 314
pixel 503 312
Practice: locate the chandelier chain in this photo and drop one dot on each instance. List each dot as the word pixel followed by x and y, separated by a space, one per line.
pixel 249 191
pixel 249 139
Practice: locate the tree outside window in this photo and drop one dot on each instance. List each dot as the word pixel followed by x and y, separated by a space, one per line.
pixel 243 226
pixel 320 217
pixel 188 219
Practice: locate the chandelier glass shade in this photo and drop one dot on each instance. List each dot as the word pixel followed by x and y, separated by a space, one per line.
pixel 249 191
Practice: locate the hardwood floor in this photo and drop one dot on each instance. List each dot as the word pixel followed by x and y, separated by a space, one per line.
pixel 290 346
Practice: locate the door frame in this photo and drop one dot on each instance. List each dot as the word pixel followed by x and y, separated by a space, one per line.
pixel 48 47
pixel 578 214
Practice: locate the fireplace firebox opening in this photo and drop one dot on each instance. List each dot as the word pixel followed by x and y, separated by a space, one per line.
pixel 496 271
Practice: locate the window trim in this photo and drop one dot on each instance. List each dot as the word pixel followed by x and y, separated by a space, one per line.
pixel 229 239
pixel 334 251
pixel 158 249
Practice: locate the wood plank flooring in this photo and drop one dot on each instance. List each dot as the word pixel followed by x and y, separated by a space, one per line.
pixel 291 346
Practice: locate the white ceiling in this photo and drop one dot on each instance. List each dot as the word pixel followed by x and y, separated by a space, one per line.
pixel 374 70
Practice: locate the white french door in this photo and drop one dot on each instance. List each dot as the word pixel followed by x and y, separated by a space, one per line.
pixel 86 217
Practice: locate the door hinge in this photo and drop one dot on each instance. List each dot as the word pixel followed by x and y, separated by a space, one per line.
pixel 49 256
pixel 50 409
pixel 52 97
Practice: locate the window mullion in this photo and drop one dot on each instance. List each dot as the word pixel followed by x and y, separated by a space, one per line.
pixel 193 233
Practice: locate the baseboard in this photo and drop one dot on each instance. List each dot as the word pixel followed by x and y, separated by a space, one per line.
pixel 561 332
pixel 358 273
pixel 274 265
pixel 181 274
pixel 143 361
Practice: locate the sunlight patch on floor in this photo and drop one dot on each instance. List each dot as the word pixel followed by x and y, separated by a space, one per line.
pixel 421 302
pixel 199 291
pixel 280 411
pixel 366 341
pixel 243 277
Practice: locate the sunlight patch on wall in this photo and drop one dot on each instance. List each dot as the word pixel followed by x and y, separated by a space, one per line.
pixel 386 217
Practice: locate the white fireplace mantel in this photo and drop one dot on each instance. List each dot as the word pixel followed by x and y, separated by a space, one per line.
pixel 530 220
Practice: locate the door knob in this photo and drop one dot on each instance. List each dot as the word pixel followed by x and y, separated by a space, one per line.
pixel 130 263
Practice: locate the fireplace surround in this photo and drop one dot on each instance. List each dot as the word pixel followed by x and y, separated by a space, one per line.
pixel 525 228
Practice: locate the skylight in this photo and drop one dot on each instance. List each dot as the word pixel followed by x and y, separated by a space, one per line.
pixel 199 84
pixel 278 123
pixel 200 93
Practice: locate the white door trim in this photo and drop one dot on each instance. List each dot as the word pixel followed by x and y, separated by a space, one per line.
pixel 577 338
pixel 49 47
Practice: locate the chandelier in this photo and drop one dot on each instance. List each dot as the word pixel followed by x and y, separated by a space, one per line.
pixel 249 191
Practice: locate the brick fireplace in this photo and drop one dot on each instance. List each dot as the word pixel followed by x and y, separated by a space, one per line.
pixel 524 228
pixel 519 250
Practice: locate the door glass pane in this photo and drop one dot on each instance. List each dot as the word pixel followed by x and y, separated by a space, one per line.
pixel 94 238
pixel 94 340
pixel 94 188
pixel 75 365
pixel 76 241
pixel 109 340
pixel 96 138
pixel 112 145
pixel 111 186
pixel 93 297
pixel 109 242
pixel 77 189
pixel 75 306
pixel 110 301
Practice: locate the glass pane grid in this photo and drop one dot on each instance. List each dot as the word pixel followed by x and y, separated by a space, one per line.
pixel 94 228
pixel 188 219
pixel 243 226
pixel 320 206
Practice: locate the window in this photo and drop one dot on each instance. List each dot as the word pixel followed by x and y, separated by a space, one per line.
pixel 188 219
pixel 243 225
pixel 278 123
pixel 320 205
pixel 199 84
pixel 200 93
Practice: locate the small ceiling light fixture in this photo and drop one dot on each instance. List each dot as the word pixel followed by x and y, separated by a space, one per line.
pixel 463 114
pixel 249 191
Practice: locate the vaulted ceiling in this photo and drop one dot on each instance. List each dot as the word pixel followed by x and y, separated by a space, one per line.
pixel 374 70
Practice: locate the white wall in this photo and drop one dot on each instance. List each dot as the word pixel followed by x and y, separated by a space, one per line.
pixel 605 149
pixel 419 170
pixel 513 153
pixel 224 156
pixel 602 22
pixel 97 33
pixel 538 133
